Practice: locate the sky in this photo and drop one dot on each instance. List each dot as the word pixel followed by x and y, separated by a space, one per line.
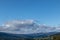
pixel 44 11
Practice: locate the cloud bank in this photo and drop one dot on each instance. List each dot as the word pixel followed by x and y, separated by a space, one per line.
pixel 26 27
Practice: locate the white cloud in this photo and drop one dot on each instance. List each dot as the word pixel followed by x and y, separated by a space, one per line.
pixel 26 27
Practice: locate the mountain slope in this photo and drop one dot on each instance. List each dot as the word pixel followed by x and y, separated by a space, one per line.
pixel 8 35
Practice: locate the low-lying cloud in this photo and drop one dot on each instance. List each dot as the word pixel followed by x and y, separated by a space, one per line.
pixel 26 27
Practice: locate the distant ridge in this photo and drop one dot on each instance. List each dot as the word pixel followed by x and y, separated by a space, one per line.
pixel 8 35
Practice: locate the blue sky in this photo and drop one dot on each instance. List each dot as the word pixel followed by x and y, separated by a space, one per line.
pixel 45 11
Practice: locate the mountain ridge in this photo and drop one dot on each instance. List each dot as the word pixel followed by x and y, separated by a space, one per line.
pixel 8 35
